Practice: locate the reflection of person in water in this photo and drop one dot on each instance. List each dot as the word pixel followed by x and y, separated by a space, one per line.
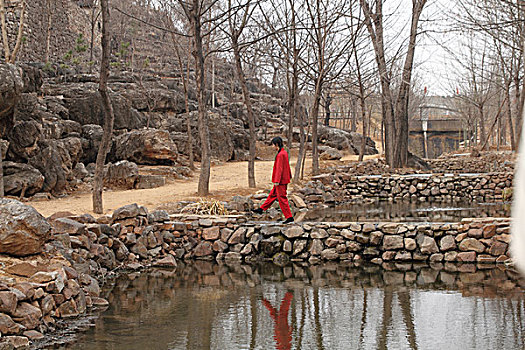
pixel 282 331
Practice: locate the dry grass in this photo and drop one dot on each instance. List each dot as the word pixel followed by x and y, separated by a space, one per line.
pixel 206 206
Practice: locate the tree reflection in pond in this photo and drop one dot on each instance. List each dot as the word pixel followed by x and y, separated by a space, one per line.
pixel 335 306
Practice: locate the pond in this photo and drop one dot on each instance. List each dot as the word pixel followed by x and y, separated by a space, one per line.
pixel 204 305
pixel 403 211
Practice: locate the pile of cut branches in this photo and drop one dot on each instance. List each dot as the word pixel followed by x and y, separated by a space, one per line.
pixel 205 206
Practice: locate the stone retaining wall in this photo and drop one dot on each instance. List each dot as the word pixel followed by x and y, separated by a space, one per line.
pixel 83 249
pixel 344 187
pixel 487 162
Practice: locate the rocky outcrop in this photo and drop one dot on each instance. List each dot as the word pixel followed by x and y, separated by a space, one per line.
pixel 85 107
pixel 329 153
pixel 146 146
pixel 11 86
pixel 122 174
pixel 344 140
pixel 23 231
pixel 55 160
pixel 22 179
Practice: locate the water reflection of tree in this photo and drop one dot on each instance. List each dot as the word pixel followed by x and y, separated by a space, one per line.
pixel 406 310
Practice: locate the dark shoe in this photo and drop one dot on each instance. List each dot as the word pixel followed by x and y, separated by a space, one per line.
pixel 289 220
pixel 257 211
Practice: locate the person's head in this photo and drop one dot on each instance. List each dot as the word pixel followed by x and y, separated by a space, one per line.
pixel 277 143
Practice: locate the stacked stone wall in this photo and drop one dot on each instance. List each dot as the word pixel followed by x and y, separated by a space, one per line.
pixel 83 250
pixel 344 188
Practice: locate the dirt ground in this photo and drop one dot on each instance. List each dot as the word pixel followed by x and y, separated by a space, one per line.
pixel 226 180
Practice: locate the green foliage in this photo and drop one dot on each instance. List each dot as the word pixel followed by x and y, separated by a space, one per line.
pixel 64 66
pixel 48 67
pixel 123 51
pixel 81 46
pixel 68 55
pixel 145 64
pixel 507 193
pixel 115 64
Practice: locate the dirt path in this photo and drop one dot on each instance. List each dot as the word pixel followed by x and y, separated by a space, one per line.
pixel 226 180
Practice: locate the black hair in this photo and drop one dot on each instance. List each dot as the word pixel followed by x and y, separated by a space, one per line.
pixel 278 141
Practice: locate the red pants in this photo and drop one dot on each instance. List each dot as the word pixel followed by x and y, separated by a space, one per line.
pixel 278 192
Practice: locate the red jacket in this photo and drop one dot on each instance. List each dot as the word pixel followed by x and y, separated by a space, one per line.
pixel 281 168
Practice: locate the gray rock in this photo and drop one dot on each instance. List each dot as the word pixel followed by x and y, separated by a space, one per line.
pixel 122 174
pixel 11 85
pixel 23 231
pixel 146 146
pixel 22 179
pixel 150 181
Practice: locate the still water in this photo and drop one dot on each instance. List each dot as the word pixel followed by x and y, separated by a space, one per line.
pixel 403 211
pixel 396 306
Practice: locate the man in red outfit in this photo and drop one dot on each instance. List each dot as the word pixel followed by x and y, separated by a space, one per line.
pixel 281 177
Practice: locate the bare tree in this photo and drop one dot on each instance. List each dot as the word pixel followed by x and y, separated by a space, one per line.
pixel 109 117
pixel 502 23
pixel 238 21
pixel 394 108
pixel 93 20
pixel 10 57
pixel 286 15
pixel 195 12
pixel 329 45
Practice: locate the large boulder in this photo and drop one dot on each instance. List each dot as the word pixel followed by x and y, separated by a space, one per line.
pixel 23 140
pixel 85 107
pixel 146 146
pixel 4 145
pixel 23 231
pixel 122 174
pixel 32 77
pixel 11 86
pixel 329 153
pixel 345 140
pixel 22 179
pixel 91 138
pixel 55 160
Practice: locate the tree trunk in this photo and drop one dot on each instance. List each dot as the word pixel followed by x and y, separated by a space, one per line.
pixel 395 116
pixel 353 109
pixel 401 110
pixel 327 111
pixel 301 154
pixel 198 54
pixel 1 172
pixel 108 111
pixel 248 104
pixel 19 35
pixel 48 30
pixel 191 156
pixel 7 51
pixel 315 120
pixel 509 120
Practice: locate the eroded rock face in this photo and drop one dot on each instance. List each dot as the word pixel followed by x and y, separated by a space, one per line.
pixel 123 174
pixel 23 140
pixel 344 140
pixel 23 231
pixel 11 85
pixel 85 107
pixel 147 146
pixel 53 161
pixel 22 179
